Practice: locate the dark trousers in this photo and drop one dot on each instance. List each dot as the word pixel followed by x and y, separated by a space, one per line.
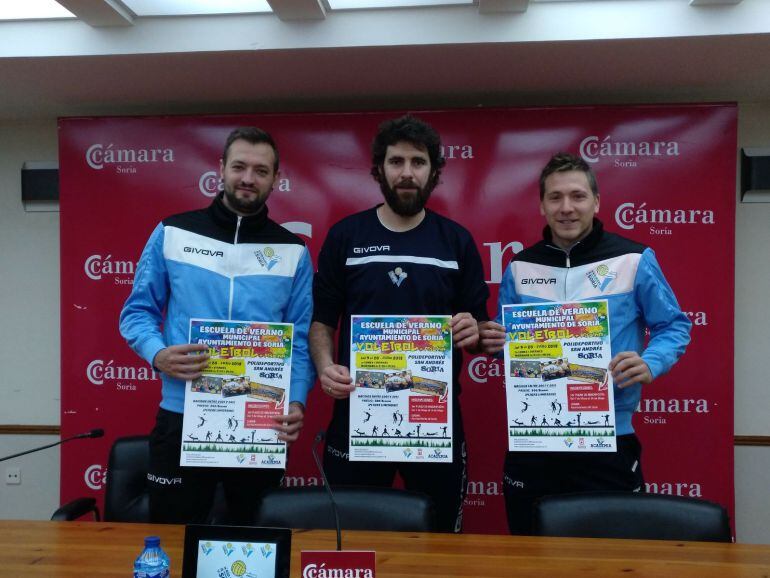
pixel 528 476
pixel 445 483
pixel 185 495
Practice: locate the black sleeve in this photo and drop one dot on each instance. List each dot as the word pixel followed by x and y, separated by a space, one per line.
pixel 329 280
pixel 473 293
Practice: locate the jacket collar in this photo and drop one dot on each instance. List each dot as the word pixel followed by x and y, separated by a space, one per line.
pixel 583 246
pixel 225 218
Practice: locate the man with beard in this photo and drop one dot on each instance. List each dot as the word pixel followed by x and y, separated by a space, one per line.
pixel 212 264
pixel 416 263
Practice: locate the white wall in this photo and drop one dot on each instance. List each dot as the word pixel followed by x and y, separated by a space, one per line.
pixel 29 291
pixel 29 338
pixel 752 287
pixel 29 330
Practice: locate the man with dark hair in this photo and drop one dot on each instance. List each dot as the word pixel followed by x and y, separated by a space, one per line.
pixel 255 136
pixel 589 263
pixel 222 279
pixel 417 262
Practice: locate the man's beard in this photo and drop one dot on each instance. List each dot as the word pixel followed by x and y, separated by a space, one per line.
pixel 247 207
pixel 406 205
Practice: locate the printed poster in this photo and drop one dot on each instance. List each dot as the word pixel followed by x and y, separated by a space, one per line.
pixel 226 558
pixel 558 388
pixel 401 409
pixel 228 411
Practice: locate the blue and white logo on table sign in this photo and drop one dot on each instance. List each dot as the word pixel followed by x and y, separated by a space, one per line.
pixel 397 275
pixel 247 549
pixel 206 548
pixel 227 548
pixel 266 550
pixel 241 458
pixel 407 453
pixel 568 442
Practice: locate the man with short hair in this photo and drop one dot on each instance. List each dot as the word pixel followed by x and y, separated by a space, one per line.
pixel 417 263
pixel 589 263
pixel 225 279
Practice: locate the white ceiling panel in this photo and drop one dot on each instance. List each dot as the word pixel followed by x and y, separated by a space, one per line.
pixel 195 7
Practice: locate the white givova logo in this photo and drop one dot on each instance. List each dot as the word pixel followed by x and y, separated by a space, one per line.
pixel 592 148
pixel 99 155
pixel 98 372
pixel 628 215
pixel 95 476
pixel 96 266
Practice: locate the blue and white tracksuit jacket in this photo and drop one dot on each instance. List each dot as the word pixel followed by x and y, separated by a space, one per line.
pixel 606 266
pixel 214 264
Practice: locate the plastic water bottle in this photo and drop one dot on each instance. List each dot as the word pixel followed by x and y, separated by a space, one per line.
pixel 153 561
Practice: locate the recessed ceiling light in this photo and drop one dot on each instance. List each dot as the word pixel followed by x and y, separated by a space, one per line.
pixel 195 7
pixel 363 4
pixel 33 10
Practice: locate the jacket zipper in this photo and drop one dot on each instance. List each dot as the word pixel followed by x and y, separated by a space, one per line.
pixel 232 278
pixel 568 264
pixel 566 275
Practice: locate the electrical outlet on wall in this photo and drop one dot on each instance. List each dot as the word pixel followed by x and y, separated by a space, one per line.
pixel 12 476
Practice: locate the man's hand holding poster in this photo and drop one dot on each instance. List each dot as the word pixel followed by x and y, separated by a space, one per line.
pixel 401 409
pixel 229 410
pixel 558 388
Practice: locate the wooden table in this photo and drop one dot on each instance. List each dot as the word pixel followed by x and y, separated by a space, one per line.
pixel 107 550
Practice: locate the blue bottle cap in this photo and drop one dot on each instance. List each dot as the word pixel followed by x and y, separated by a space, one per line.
pixel 152 541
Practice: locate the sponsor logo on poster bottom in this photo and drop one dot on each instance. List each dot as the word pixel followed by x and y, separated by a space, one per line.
pixel 270 460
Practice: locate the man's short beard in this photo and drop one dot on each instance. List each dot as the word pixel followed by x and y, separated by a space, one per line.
pixel 406 206
pixel 245 207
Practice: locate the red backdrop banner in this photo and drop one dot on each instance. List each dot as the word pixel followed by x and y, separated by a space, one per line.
pixel 666 178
